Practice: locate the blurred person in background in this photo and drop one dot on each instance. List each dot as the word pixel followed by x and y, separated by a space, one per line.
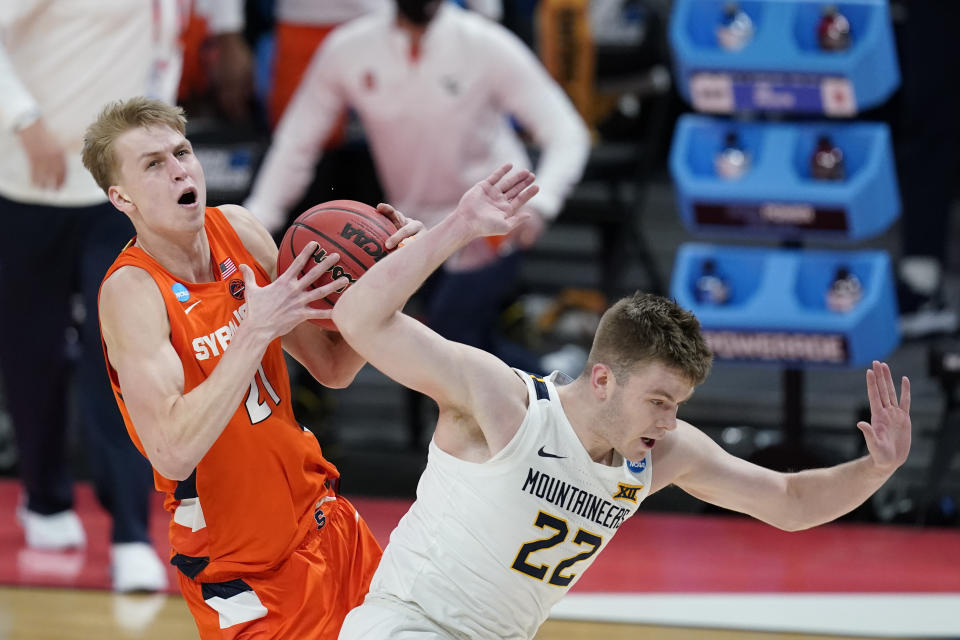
pixel 436 89
pixel 217 59
pixel 301 27
pixel 60 62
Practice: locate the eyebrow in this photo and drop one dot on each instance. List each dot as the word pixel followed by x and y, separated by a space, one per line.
pixel 660 392
pixel 185 144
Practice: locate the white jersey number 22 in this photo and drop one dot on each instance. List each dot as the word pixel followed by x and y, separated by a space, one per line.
pixel 592 540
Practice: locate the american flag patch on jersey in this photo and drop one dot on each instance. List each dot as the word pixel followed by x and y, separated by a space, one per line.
pixel 227 267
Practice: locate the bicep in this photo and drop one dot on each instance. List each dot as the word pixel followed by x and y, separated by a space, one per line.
pixel 457 377
pixel 476 393
pixel 418 358
pixel 149 371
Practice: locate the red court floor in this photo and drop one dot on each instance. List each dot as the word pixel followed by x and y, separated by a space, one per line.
pixel 654 559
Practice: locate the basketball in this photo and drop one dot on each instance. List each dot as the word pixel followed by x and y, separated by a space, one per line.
pixel 355 231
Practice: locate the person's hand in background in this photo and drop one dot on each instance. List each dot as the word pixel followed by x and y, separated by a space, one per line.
pixel 48 163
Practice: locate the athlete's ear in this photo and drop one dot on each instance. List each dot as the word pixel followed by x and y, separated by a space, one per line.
pixel 600 378
pixel 119 198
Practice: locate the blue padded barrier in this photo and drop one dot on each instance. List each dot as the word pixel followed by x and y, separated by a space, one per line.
pixel 782 68
pixel 777 197
pixel 777 312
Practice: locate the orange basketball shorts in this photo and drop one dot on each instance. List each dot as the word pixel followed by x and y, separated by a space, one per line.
pixel 306 597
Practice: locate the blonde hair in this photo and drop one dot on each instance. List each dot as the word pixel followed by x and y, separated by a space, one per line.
pixel 117 118
pixel 645 328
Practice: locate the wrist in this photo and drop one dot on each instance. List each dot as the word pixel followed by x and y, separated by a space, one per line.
pixel 878 469
pixel 458 230
pixel 252 336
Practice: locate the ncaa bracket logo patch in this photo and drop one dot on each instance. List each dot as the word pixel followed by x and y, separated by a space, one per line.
pixel 180 291
pixel 637 467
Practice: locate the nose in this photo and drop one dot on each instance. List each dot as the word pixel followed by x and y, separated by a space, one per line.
pixel 669 423
pixel 177 170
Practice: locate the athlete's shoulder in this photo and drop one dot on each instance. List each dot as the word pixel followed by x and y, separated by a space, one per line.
pixel 130 297
pixel 253 235
pixel 129 280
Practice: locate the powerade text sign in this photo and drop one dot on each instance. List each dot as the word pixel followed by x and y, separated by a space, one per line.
pixel 777 346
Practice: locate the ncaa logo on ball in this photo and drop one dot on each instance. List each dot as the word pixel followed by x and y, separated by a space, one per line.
pixel 637 467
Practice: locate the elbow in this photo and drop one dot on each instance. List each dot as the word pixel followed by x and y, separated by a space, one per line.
pixel 172 468
pixel 352 322
pixel 340 318
pixel 340 379
pixel 169 462
pixel 794 514
pixel 344 316
pixel 792 525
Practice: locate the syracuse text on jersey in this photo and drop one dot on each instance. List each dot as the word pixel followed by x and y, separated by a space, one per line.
pixel 214 343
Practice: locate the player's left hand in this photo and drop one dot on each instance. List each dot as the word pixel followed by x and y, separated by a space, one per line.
pixel 406 227
pixel 888 432
pixel 496 206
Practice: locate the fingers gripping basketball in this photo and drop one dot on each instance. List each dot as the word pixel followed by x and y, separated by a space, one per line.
pixel 353 230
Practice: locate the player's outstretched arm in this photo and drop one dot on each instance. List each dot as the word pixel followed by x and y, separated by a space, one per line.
pixel 794 501
pixel 369 315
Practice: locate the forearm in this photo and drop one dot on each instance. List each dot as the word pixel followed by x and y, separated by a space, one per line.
pixel 817 496
pixel 18 109
pixel 565 147
pixel 325 354
pixel 194 420
pixel 372 300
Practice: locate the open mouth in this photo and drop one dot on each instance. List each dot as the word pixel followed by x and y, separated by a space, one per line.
pixel 189 197
pixel 649 442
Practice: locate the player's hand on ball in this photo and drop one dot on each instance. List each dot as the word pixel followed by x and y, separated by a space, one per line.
pixel 406 227
pixel 284 303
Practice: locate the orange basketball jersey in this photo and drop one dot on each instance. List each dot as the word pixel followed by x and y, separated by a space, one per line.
pixel 256 492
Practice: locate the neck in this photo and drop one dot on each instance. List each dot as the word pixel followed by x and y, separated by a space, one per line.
pixel 186 257
pixel 412 29
pixel 585 419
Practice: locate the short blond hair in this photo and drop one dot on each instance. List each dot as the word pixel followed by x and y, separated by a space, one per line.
pixel 646 328
pixel 116 119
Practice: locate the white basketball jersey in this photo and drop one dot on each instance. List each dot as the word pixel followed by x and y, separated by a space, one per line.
pixel 487 549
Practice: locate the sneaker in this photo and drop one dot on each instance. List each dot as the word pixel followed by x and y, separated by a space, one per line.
pixel 55 532
pixel 136 567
